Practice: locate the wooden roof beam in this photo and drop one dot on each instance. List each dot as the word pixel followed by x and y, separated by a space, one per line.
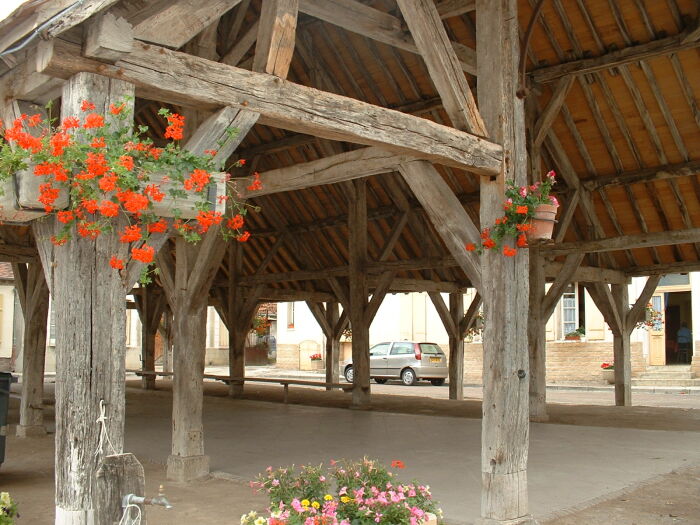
pixel 626 55
pixel 626 242
pixel 376 25
pixel 664 269
pixel 450 8
pixel 180 20
pixel 351 165
pixel 671 171
pixel 443 66
pixel 175 77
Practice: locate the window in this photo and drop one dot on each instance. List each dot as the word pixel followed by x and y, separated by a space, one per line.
pixel 569 310
pixel 290 315
pixel 430 348
pixel 402 349
pixel 380 349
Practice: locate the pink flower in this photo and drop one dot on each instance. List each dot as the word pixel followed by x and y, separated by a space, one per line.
pixel 296 505
pixel 523 191
pixel 275 483
pixel 551 174
pixel 553 200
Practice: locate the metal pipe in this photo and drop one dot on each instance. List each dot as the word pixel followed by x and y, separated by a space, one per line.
pixel 39 29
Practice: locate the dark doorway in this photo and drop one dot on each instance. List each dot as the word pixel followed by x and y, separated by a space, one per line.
pixel 678 317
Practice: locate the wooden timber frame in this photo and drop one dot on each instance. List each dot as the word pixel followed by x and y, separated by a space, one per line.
pixel 378 166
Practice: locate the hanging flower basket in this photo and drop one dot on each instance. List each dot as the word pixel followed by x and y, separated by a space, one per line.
pixel 19 197
pixel 91 168
pixel 543 221
pixel 529 214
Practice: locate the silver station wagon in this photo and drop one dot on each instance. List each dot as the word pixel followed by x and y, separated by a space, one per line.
pixel 405 360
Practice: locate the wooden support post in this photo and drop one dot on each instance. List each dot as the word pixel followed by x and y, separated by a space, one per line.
pixel 358 294
pixel 505 281
pixel 613 302
pixel 150 304
pixel 328 319
pixel 456 341
pixel 333 344
pixel 541 308
pixel 537 336
pixel 33 293
pixel 621 349
pixel 186 282
pixel 90 315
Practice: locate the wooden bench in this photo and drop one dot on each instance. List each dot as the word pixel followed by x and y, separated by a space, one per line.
pixel 346 387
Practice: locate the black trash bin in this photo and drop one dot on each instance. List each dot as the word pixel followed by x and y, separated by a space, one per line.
pixel 5 380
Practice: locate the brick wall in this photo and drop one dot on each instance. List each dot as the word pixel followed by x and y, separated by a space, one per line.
pixel 566 362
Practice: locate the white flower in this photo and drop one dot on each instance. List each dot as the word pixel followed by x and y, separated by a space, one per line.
pixel 260 521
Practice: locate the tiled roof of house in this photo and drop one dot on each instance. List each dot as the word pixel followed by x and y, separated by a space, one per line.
pixel 6 272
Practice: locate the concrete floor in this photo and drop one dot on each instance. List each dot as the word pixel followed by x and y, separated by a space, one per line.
pixel 569 465
pixel 602 454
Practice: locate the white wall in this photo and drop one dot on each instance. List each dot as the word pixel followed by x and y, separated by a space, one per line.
pixel 7 309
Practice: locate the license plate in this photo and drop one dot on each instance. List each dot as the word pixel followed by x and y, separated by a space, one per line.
pixel 435 359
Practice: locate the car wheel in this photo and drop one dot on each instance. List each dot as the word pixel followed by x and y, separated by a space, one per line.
pixel 408 377
pixel 380 380
pixel 349 374
pixel 437 382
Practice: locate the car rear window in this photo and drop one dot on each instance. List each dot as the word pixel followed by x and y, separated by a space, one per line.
pixel 430 348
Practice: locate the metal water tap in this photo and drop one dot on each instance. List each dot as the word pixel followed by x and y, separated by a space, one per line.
pixel 160 500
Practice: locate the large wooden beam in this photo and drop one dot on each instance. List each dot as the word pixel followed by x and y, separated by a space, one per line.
pixel 450 8
pixel 587 274
pixel 276 35
pixel 505 280
pixel 176 77
pixel 355 164
pixel 626 55
pixel 376 25
pixel 669 172
pixel 446 214
pixel 431 39
pixel 663 269
pixel 180 20
pixel 626 242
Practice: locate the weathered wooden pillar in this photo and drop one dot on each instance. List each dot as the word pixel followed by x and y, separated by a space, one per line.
pixel 150 304
pixel 90 315
pixel 33 293
pixel 358 294
pixel 186 282
pixel 505 280
pixel 332 326
pixel 537 337
pixel 613 303
pixel 237 307
pixel 456 342
pixel 452 320
pixel 333 344
pixel 542 306
pixel 621 347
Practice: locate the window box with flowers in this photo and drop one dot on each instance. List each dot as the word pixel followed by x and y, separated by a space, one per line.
pixel 316 361
pixel 92 168
pixel 529 215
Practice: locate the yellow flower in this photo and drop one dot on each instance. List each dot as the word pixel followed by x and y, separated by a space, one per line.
pixel 305 503
pixel 260 521
pixel 344 499
pixel 328 497
pixel 315 504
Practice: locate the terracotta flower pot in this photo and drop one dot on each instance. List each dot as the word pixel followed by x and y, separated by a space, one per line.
pixel 543 222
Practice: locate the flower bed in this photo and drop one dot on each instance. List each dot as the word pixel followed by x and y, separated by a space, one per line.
pixel 364 493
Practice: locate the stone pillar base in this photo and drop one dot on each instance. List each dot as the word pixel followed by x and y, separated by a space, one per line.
pixel 187 468
pixel 524 520
pixel 24 431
